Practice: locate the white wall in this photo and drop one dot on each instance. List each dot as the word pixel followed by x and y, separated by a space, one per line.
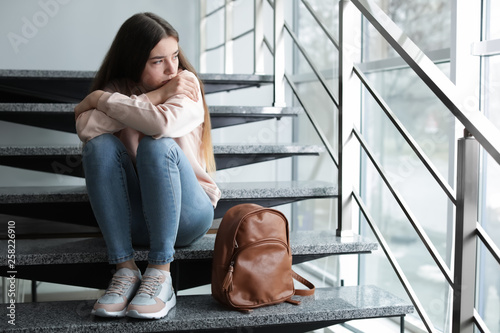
pixel 75 34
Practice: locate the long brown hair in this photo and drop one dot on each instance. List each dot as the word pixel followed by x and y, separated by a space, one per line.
pixel 127 58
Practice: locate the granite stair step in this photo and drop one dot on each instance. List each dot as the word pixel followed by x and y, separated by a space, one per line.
pixel 66 160
pixel 70 203
pixel 305 246
pixel 48 86
pixel 224 116
pixel 328 306
pixel 83 261
pixel 60 116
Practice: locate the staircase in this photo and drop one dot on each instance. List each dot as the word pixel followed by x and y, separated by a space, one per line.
pixel 57 239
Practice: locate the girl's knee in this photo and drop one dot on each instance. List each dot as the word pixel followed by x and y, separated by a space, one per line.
pixel 194 224
pixel 104 154
pixel 102 145
pixel 150 149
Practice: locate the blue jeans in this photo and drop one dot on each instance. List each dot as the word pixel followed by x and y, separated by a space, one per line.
pixel 159 204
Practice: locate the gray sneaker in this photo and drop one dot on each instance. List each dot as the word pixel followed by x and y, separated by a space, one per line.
pixel 155 297
pixel 121 289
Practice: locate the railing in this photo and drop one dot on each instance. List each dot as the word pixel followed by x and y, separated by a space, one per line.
pixel 227 45
pixel 466 198
pixel 479 131
pixel 277 49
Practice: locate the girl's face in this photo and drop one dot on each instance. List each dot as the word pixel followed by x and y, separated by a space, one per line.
pixel 162 65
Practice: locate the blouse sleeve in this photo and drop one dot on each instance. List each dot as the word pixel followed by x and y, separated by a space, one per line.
pixel 93 123
pixel 174 118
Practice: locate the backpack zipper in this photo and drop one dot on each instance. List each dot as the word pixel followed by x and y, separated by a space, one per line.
pixel 267 240
pixel 227 284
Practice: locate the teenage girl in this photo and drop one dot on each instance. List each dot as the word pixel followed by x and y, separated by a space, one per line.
pixel 147 158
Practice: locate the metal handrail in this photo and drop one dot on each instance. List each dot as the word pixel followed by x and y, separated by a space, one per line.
pixel 394 263
pixel 208 49
pixel 228 39
pixel 449 191
pixel 487 135
pixel 309 61
pixel 321 24
pixel 393 63
pixel 418 151
pixel 488 242
pixel 480 323
pixel 243 34
pixel 314 122
pixel 269 46
pixel 311 117
pixel 215 10
pixel 406 210
pixel 475 122
pixel 488 140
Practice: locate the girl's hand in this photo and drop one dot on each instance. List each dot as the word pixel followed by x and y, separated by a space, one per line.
pixel 88 103
pixel 181 84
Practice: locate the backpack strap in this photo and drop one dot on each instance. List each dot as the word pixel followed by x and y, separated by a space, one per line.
pixel 303 292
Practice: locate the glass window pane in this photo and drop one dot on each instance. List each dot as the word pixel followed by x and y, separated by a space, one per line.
pixel 213 5
pixel 327 12
pixel 488 295
pixel 489 288
pixel 422 114
pixel 432 126
pixel 492 10
pixel 492 87
pixel 315 42
pixel 427 23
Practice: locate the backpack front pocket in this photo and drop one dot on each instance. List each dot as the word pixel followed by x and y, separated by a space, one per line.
pixel 259 274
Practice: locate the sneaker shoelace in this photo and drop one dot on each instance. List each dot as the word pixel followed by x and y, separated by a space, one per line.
pixel 149 285
pixel 119 284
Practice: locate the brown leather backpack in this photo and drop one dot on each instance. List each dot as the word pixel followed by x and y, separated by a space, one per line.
pixel 252 262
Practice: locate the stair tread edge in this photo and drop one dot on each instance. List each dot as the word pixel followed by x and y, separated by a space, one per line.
pixel 230 191
pixel 202 311
pixel 223 110
pixel 40 151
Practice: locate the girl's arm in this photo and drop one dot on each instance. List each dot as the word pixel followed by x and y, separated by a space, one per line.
pixel 175 117
pixel 183 83
pixel 88 103
pixel 93 123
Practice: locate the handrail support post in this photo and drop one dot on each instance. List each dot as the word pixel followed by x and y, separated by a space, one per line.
pixel 349 105
pixel 279 53
pixel 464 281
pixel 228 37
pixel 203 36
pixel 258 37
